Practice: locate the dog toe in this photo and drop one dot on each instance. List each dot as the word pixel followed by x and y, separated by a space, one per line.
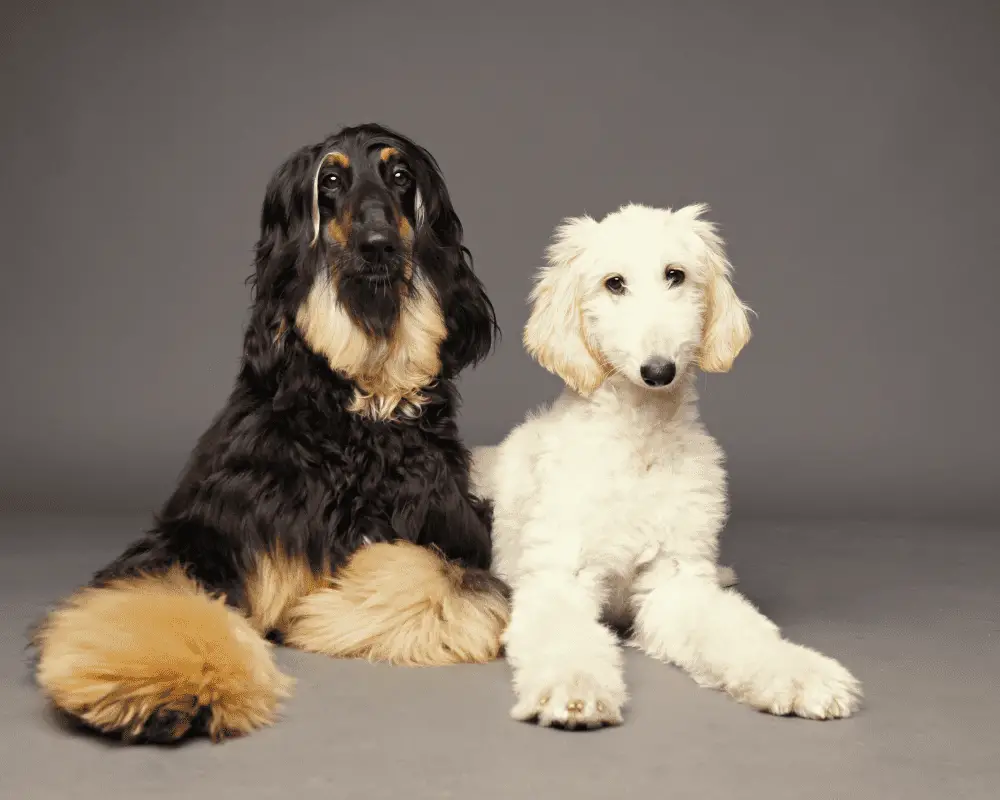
pixel 578 703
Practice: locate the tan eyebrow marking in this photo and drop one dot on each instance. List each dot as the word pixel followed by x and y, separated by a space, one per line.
pixel 387 152
pixel 339 159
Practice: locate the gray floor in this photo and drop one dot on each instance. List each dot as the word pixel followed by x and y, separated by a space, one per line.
pixel 914 611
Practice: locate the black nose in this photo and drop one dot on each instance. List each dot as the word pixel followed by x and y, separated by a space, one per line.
pixel 658 372
pixel 376 246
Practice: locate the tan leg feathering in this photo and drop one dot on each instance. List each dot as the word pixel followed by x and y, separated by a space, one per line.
pixel 152 656
pixel 402 604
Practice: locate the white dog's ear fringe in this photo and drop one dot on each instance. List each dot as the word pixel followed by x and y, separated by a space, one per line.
pixel 555 334
pixel 727 318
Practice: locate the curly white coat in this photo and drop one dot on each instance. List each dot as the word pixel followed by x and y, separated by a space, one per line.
pixel 609 503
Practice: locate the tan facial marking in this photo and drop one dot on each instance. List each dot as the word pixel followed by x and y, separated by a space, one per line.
pixel 340 230
pixel 405 229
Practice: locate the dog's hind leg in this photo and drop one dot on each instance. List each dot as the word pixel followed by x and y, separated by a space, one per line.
pixel 154 657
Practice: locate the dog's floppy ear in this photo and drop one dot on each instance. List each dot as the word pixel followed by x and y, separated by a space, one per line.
pixel 283 247
pixel 727 322
pixel 555 335
pixel 286 219
pixel 469 316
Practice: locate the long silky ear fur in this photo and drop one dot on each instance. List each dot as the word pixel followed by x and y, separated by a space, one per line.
pixel 282 253
pixel 555 334
pixel 469 315
pixel 727 323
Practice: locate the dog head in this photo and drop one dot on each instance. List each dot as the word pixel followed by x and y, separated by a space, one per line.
pixel 361 250
pixel 645 293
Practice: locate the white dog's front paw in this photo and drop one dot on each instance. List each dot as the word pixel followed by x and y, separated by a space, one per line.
pixel 579 701
pixel 803 683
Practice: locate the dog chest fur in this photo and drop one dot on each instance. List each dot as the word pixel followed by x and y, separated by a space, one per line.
pixel 657 471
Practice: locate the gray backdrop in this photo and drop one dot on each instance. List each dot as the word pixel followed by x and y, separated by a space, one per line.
pixel 849 150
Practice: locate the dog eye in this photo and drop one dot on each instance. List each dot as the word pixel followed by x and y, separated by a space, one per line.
pixel 674 276
pixel 615 284
pixel 331 181
pixel 401 177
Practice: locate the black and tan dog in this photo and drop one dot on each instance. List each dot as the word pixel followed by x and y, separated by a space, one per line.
pixel 328 504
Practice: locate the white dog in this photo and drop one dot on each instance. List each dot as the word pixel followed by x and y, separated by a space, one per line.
pixel 609 504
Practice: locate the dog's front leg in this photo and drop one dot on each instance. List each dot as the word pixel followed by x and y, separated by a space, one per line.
pixel 684 616
pixel 482 466
pixel 567 665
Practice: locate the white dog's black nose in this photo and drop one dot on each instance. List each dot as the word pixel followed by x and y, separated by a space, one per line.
pixel 658 372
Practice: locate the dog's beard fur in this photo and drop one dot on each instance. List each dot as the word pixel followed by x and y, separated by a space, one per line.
pixel 372 297
pixel 384 337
